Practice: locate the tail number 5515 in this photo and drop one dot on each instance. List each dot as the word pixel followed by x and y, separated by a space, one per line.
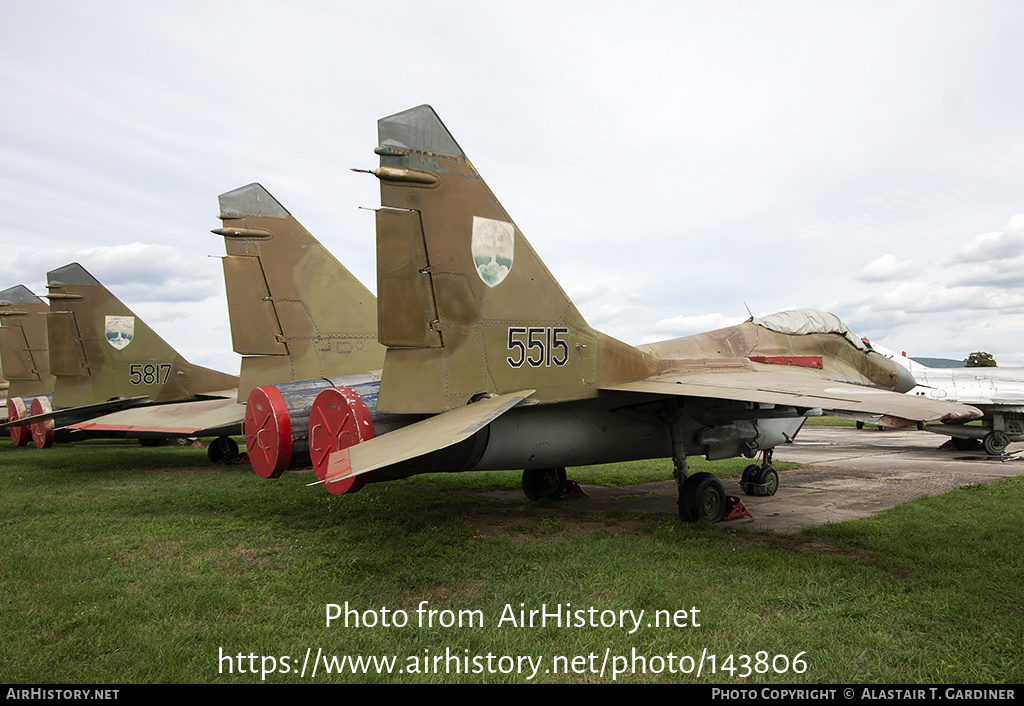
pixel 537 346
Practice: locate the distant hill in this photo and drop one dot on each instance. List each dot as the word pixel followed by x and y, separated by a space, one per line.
pixel 940 362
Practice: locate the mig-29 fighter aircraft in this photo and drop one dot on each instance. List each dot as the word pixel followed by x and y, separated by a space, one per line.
pixel 300 320
pixel 104 358
pixel 491 366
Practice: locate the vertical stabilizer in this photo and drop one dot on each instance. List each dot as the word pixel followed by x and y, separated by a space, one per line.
pixel 467 308
pixel 23 346
pixel 296 312
pixel 100 350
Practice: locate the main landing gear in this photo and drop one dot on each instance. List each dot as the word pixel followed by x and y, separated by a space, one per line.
pixel 702 496
pixel 544 483
pixel 995 443
pixel 223 450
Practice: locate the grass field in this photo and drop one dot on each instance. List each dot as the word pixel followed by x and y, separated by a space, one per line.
pixel 131 565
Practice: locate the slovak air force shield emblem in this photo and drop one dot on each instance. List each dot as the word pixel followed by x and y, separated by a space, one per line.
pixel 493 249
pixel 119 330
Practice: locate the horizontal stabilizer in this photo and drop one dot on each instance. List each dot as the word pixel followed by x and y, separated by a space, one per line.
pixel 421 438
pixel 98 408
pixel 213 417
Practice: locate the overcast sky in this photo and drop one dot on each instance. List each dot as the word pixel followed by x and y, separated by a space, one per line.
pixel 673 163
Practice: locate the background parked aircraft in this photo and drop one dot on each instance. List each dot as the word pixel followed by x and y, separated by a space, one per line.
pixel 997 392
pixel 300 320
pixel 25 355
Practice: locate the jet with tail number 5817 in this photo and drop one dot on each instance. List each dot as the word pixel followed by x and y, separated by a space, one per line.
pixel 493 367
pixel 294 341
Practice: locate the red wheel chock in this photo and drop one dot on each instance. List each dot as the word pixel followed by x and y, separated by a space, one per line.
pixel 734 508
pixel 573 491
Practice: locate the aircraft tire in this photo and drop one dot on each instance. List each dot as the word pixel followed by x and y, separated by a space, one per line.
pixel 702 498
pixel 995 443
pixel 747 479
pixel 963 444
pixel 766 483
pixel 223 450
pixel 544 483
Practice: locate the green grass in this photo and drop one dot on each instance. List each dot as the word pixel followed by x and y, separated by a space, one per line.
pixel 829 421
pixel 147 565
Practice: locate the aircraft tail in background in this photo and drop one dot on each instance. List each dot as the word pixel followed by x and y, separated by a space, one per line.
pixel 296 312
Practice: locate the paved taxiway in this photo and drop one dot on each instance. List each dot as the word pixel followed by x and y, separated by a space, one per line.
pixel 849 473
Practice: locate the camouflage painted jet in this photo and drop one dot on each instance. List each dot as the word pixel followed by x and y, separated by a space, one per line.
pixel 103 358
pixel 997 392
pixel 24 353
pixel 287 328
pixel 490 366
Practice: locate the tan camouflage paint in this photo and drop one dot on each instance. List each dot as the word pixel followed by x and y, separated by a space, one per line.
pixel 23 343
pixel 89 369
pixel 296 312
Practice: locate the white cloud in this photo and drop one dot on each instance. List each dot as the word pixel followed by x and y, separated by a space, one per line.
pixel 888 268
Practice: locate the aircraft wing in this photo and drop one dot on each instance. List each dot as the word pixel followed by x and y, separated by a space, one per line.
pixel 797 390
pixel 211 417
pixel 426 436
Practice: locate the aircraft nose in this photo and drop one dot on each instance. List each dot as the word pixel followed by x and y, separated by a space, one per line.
pixel 905 381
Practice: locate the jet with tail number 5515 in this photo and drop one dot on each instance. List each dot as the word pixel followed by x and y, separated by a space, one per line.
pixel 496 369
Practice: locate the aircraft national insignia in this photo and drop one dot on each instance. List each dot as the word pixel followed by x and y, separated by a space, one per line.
pixel 493 249
pixel 119 330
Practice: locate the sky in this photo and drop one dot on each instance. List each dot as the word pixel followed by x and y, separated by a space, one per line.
pixel 675 164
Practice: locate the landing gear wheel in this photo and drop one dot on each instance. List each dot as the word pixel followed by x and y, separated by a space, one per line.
pixel 748 478
pixel 995 443
pixel 223 450
pixel 702 498
pixel 544 483
pixel 766 482
pixel 963 444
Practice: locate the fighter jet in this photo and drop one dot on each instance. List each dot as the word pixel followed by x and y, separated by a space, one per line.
pixel 103 358
pixel 301 321
pixel 997 392
pixel 490 366
pixel 24 354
